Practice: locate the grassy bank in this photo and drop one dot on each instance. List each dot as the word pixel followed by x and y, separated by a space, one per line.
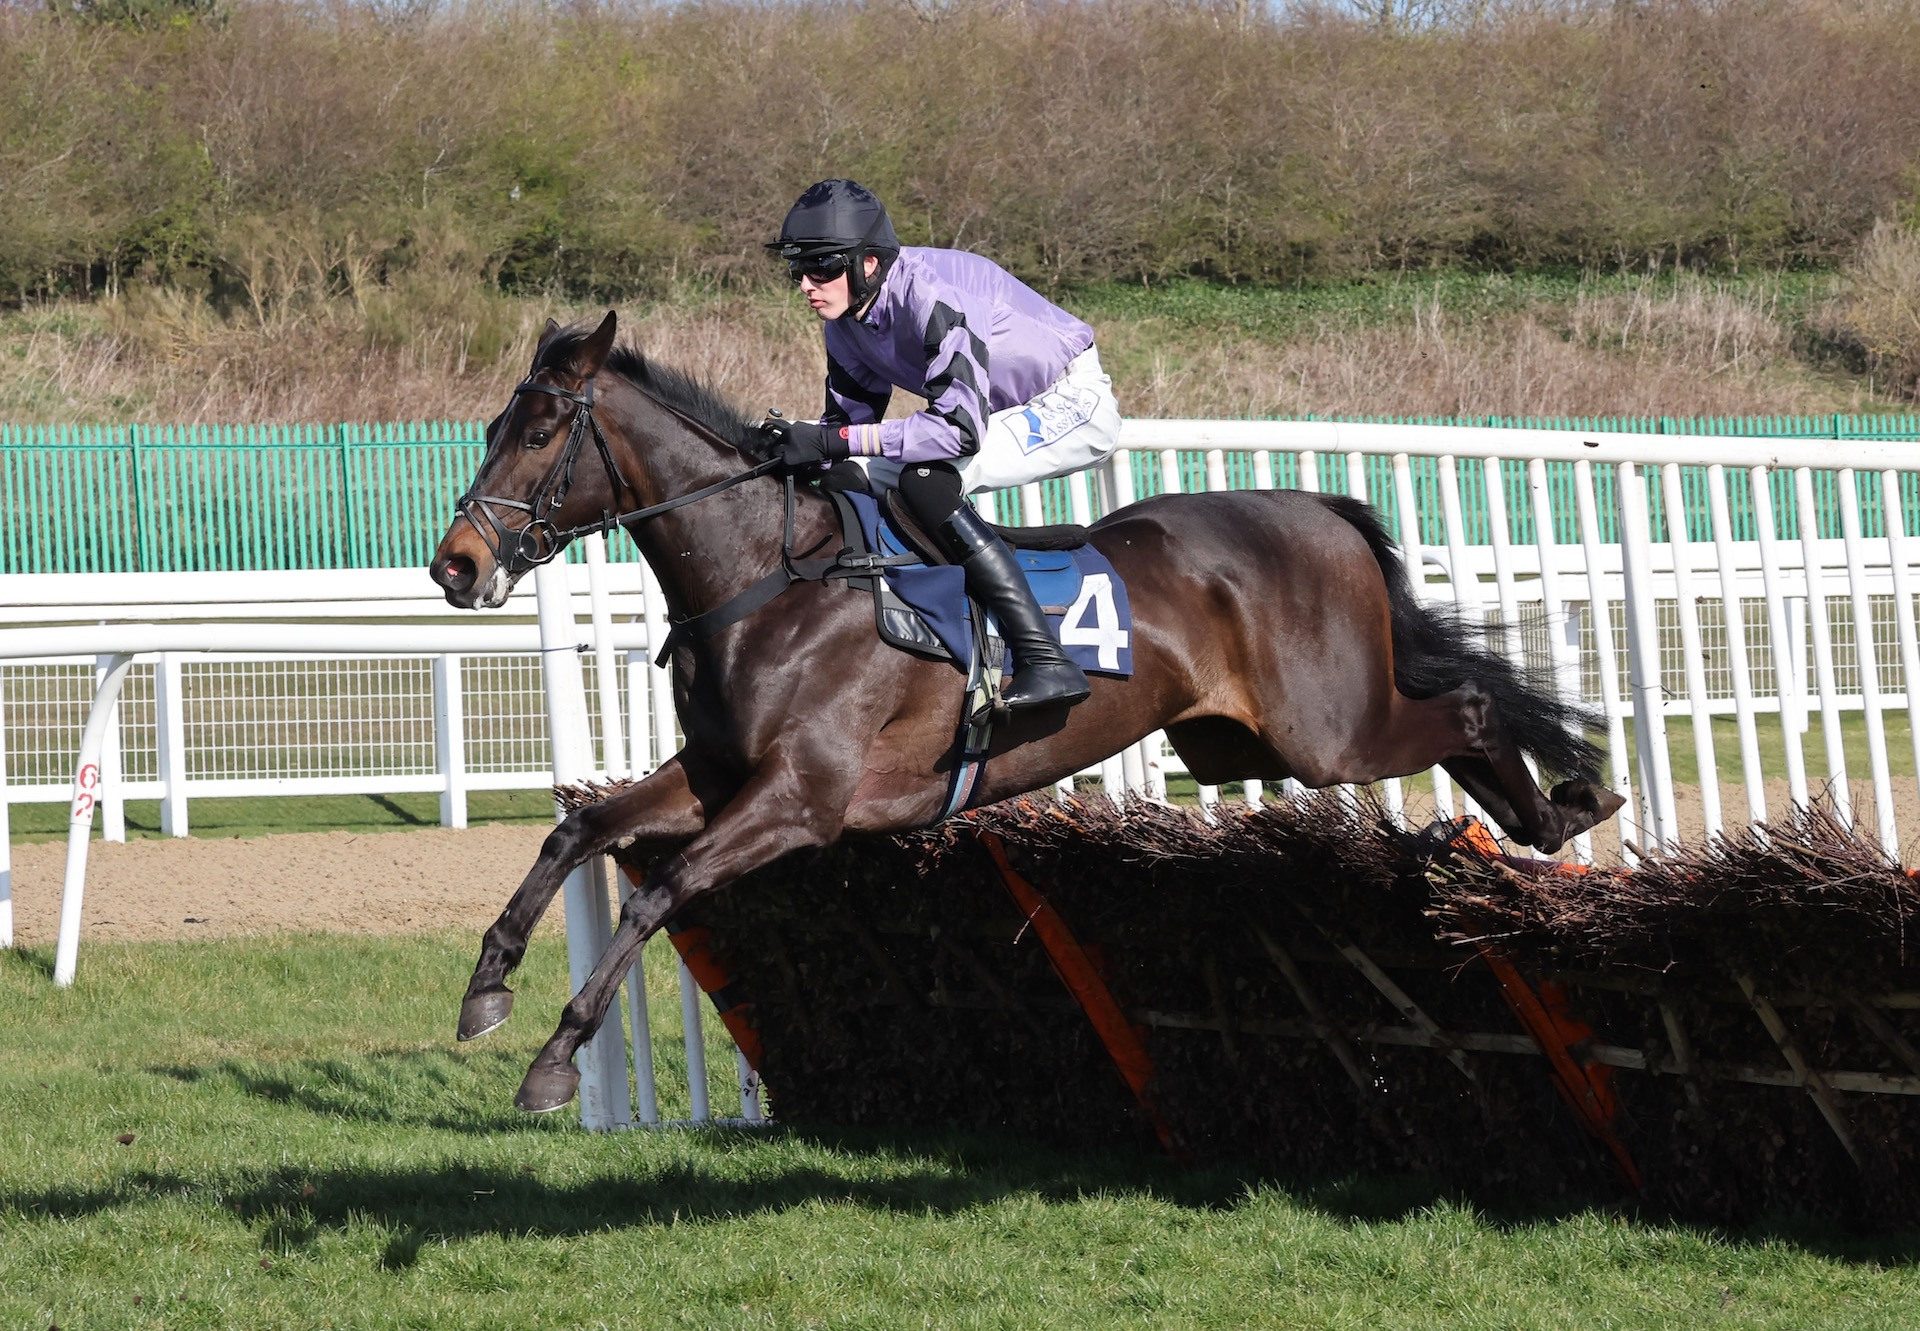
pixel 307 1146
pixel 1555 343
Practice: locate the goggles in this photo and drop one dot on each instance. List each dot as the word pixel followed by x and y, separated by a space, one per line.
pixel 818 270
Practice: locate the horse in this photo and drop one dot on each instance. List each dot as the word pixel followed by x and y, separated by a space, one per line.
pixel 1275 635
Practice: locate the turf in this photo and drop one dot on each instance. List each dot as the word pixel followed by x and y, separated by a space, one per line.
pixel 305 1146
pixel 1280 313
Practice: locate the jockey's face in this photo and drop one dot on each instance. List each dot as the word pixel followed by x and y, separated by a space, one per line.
pixel 830 299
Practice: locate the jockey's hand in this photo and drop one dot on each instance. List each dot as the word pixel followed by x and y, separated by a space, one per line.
pixel 802 444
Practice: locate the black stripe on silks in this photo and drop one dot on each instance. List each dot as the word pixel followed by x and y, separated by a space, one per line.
pixel 840 380
pixel 943 320
pixel 966 423
pixel 965 426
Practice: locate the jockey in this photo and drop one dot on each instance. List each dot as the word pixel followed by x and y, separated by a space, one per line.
pixel 1014 390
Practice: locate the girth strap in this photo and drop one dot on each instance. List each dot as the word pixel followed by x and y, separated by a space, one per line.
pixel 848 562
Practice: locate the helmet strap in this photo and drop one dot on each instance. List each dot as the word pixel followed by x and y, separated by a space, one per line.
pixel 862 291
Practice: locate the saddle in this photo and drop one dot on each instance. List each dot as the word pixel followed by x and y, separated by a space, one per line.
pixel 921 606
pixel 920 601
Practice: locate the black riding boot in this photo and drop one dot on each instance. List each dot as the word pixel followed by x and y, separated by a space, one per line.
pixel 1043 676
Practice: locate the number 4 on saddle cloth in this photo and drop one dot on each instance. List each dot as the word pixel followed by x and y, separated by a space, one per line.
pixel 923 607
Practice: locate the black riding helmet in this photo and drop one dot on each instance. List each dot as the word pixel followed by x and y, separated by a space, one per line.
pixel 840 217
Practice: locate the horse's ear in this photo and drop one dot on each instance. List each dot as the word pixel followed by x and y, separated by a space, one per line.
pixel 540 345
pixel 593 352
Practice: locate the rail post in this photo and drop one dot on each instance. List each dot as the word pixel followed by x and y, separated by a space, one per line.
pixel 86 794
pixel 604 1101
pixel 170 735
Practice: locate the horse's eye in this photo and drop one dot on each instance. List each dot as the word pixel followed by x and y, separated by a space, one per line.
pixel 538 439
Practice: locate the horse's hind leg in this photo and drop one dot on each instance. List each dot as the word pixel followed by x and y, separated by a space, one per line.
pixel 661 810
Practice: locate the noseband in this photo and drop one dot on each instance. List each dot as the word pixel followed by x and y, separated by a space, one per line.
pixel 540 540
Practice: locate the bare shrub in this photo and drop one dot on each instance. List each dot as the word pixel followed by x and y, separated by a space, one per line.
pixel 612 151
pixel 1876 313
pixel 1692 352
pixel 1690 348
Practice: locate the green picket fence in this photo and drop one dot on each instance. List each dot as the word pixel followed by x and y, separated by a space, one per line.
pixel 192 498
pixel 97 499
pixel 1695 488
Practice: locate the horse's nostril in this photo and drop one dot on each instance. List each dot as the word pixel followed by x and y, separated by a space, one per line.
pixel 457 574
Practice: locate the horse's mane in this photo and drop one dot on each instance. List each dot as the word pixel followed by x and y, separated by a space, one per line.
pixel 673 388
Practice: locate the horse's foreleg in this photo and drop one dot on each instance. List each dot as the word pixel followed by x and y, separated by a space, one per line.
pixel 767 819
pixel 660 810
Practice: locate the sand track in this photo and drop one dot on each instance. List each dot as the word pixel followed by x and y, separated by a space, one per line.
pixel 335 882
pixel 435 878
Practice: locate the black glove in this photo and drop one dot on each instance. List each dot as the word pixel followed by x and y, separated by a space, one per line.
pixel 802 444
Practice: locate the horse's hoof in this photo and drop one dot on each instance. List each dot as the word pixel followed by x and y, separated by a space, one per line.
pixel 484 1011
pixel 546 1089
pixel 1594 800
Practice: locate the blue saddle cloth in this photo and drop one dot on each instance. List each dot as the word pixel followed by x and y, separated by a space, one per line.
pixel 1083 597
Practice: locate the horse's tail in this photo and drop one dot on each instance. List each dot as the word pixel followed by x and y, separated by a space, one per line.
pixel 1435 650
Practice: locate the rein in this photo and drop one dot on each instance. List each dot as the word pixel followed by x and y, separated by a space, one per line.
pixel 539 541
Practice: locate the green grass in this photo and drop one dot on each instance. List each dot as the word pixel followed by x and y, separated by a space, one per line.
pixel 267 815
pixel 1281 313
pixel 1771 742
pixel 311 1149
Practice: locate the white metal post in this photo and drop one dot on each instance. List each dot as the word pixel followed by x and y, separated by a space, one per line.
pixel 1869 657
pixel 1119 474
pixel 694 1039
pixel 646 1085
pixel 1033 505
pixel 1513 643
pixel 1643 657
pixel 1691 652
pixel 170 727
pixel 606 665
pixel 113 801
pixel 659 677
pixel 1837 788
pixel 1797 657
pixel 1600 607
pixel 1734 614
pixel 604 1102
pixel 1460 576
pixel 1172 482
pixel 450 738
pixel 1899 556
pixel 1357 487
pixel 1785 649
pixel 639 704
pixel 1413 557
pixel 1563 643
pixel 6 829
pixel 86 794
pixel 654 742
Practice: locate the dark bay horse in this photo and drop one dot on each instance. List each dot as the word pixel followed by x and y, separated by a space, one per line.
pixel 1275 635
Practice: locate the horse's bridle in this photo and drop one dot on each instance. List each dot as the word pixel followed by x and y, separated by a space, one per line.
pixel 540 540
